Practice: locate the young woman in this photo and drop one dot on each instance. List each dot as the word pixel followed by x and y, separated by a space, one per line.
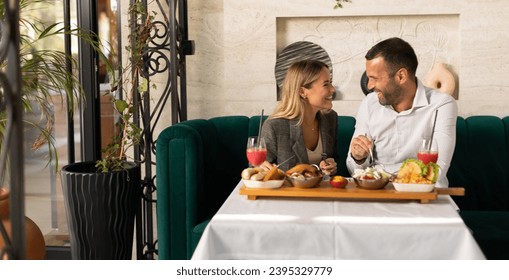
pixel 303 126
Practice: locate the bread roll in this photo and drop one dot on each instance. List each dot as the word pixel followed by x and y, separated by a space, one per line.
pixel 248 172
pixel 298 176
pixel 258 176
pixel 274 174
pixel 303 168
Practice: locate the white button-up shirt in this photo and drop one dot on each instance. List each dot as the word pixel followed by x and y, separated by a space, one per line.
pixel 397 136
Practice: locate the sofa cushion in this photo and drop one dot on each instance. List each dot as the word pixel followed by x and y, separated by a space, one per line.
pixel 487 156
pixel 491 231
pixel 480 164
pixel 229 160
pixel 197 233
pixel 178 197
pixel 458 171
pixel 254 125
pixel 346 127
pixel 208 143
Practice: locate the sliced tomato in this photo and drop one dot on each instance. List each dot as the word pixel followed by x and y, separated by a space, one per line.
pixel 367 177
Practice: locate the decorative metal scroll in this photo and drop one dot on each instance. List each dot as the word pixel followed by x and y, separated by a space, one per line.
pixel 11 118
pixel 165 54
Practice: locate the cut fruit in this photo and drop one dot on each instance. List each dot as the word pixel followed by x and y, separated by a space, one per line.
pixel 338 182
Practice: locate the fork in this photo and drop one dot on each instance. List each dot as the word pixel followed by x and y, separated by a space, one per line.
pixel 285 161
pixel 371 158
pixel 324 157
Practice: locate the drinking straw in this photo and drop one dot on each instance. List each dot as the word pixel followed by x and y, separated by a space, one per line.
pixel 433 130
pixel 260 126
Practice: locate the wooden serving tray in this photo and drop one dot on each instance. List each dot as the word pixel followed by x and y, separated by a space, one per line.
pixel 324 190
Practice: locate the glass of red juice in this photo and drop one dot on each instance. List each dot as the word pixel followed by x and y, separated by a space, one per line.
pixel 256 151
pixel 428 151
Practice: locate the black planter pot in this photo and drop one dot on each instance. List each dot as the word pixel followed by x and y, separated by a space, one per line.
pixel 101 209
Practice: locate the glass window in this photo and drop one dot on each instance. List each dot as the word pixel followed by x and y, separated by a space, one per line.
pixel 43 190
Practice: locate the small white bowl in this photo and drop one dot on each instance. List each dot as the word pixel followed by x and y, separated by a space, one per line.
pixel 413 187
pixel 272 184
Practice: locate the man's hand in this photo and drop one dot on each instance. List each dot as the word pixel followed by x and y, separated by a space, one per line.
pixel 360 147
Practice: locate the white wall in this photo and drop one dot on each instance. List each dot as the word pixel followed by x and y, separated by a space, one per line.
pixel 237 42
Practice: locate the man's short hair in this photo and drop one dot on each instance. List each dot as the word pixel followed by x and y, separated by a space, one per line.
pixel 397 54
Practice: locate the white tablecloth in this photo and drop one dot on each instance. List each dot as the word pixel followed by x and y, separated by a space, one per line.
pixel 278 228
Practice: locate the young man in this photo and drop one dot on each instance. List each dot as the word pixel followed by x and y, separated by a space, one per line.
pixel 400 112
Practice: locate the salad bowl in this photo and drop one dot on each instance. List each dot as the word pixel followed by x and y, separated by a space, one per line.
pixel 305 183
pixel 371 178
pixel 371 184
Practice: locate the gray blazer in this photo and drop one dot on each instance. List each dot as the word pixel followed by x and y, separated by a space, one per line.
pixel 284 139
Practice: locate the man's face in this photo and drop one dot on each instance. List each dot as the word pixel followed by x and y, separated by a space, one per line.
pixel 382 83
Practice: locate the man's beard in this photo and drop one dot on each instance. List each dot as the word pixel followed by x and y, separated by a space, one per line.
pixel 390 97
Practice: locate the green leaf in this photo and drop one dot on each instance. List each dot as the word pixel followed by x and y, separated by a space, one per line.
pixel 121 105
pixel 143 86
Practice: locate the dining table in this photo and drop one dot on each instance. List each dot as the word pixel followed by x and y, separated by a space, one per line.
pixel 314 228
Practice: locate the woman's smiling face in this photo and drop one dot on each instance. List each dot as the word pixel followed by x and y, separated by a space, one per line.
pixel 320 93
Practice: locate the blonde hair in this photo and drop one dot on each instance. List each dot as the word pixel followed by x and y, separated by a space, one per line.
pixel 300 74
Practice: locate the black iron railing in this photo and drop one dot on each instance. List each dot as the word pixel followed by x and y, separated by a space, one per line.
pixel 165 54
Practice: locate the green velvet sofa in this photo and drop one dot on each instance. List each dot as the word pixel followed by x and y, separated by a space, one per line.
pixel 198 163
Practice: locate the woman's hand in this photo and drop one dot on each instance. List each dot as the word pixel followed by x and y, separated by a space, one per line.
pixel 266 166
pixel 360 147
pixel 328 166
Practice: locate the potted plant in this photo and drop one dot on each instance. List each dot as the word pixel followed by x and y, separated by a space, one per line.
pixel 103 197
